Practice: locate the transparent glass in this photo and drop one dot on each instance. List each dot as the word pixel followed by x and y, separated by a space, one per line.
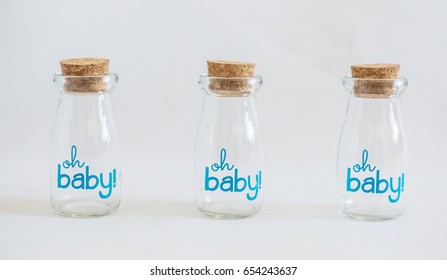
pixel 229 150
pixel 372 157
pixel 85 150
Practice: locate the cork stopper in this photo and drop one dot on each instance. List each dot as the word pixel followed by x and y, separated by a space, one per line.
pixel 91 68
pixel 228 70
pixel 370 88
pixel 85 67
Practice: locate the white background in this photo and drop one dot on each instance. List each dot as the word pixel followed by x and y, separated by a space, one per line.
pixel 302 49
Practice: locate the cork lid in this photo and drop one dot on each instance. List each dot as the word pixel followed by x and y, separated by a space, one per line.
pixel 230 69
pixel 85 67
pixel 375 80
pixel 229 78
pixel 87 74
pixel 375 71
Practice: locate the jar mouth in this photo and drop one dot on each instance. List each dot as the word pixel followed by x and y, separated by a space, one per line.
pixel 374 88
pixel 85 84
pixel 230 87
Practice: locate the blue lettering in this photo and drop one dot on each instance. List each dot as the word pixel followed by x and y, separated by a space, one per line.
pixel 365 165
pixel 255 187
pixel 400 187
pixel 368 182
pixel 349 182
pixel 73 162
pixel 208 179
pixel 109 185
pixel 222 165
pixel 78 181
pixel 84 180
pixel 88 178
pixel 374 184
pixel 231 183
pixel 381 181
pixel 60 177
pixel 227 180
pixel 238 180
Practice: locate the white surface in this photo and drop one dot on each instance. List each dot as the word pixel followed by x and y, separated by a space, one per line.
pixel 302 49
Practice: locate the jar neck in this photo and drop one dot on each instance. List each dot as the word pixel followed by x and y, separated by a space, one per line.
pixel 85 85
pixel 230 110
pixel 230 87
pixel 370 112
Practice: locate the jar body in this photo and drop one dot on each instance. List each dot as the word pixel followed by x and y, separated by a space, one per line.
pixel 372 159
pixel 229 158
pixel 85 155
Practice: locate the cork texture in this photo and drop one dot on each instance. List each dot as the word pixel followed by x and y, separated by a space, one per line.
pixel 230 69
pixel 375 71
pixel 227 70
pixel 85 67
pixel 91 68
pixel 383 87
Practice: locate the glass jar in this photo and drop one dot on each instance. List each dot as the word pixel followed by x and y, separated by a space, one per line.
pixel 85 149
pixel 372 160
pixel 229 149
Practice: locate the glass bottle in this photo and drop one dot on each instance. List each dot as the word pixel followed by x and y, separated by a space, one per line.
pixel 229 149
pixel 85 149
pixel 372 159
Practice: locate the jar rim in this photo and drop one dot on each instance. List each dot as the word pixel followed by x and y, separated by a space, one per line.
pixel 374 88
pixel 85 84
pixel 254 78
pixel 59 75
pixel 402 79
pixel 230 86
